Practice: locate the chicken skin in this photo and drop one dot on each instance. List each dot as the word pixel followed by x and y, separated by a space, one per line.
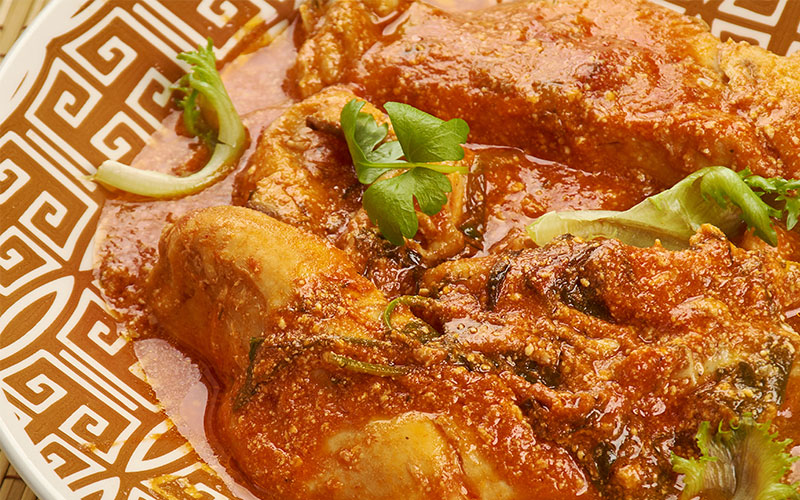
pixel 623 350
pixel 468 363
pixel 301 174
pixel 320 399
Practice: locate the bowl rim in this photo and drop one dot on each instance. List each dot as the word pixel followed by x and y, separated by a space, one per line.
pixel 18 68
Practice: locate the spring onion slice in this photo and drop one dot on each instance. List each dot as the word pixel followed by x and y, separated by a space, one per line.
pixel 357 366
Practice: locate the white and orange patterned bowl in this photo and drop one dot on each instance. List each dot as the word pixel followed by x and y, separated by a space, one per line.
pixel 90 80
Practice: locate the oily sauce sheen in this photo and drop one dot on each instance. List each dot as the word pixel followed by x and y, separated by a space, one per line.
pixel 484 287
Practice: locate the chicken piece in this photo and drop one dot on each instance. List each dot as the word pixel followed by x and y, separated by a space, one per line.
pixel 618 353
pixel 624 85
pixel 214 287
pixel 318 399
pixel 301 174
pixel 322 60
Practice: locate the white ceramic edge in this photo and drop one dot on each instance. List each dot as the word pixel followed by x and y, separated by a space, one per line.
pixel 27 460
pixel 18 71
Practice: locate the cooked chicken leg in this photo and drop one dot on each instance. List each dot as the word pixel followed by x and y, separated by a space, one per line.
pixel 227 275
pixel 320 399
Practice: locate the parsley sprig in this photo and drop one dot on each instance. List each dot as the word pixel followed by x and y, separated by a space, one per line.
pixel 783 190
pixel 422 142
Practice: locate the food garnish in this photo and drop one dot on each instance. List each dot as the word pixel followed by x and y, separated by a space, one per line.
pixel 422 141
pixel 205 97
pixel 408 300
pixel 357 366
pixel 713 195
pixel 742 463
pixel 781 189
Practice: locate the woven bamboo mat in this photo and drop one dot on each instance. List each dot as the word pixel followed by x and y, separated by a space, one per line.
pixel 14 16
pixel 11 486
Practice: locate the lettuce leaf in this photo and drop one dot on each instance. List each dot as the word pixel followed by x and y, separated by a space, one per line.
pixel 713 195
pixel 742 463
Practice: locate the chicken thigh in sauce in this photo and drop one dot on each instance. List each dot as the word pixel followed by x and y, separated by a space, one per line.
pixel 600 84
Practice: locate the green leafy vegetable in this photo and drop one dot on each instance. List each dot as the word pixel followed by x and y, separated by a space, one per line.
pixel 205 94
pixel 357 366
pixel 713 195
pixel 423 140
pixel 782 189
pixel 743 463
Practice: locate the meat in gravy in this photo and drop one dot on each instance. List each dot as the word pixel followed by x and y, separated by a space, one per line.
pixel 572 370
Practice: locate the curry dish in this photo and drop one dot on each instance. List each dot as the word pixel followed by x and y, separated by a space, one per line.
pixel 508 371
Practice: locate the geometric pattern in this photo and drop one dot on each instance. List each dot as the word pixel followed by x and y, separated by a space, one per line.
pixel 770 24
pixel 75 414
pixel 76 417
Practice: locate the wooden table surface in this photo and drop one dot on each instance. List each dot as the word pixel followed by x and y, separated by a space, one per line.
pixel 14 16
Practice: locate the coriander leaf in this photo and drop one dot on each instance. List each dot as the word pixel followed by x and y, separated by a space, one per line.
pixel 390 202
pixel 193 119
pixel 424 137
pixel 782 189
pixel 388 152
pixel 713 195
pixel 362 134
pixel 743 463
pixel 721 183
pixel 792 208
pixel 208 90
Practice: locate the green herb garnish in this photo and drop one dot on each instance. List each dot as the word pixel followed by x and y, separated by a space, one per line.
pixel 390 307
pixel 783 190
pixel 204 92
pixel 743 463
pixel 713 195
pixel 422 140
pixel 357 366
